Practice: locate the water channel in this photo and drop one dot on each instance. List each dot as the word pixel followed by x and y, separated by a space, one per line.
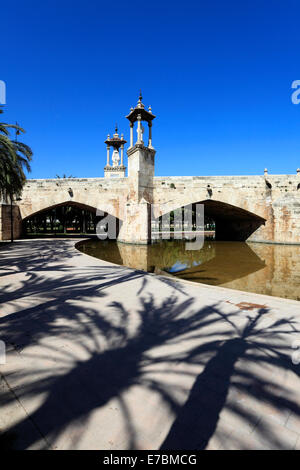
pixel 253 267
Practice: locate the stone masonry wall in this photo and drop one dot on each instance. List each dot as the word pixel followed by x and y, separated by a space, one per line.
pixel 270 202
pixel 106 194
pixel 275 198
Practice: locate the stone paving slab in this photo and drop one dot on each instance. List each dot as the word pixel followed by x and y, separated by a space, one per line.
pixel 101 356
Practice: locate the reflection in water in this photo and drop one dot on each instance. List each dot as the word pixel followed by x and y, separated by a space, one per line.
pixel 256 267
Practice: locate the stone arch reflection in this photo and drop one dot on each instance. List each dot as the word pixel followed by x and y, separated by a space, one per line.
pixel 172 257
pixel 254 267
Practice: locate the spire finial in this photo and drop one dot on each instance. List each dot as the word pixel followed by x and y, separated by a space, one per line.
pixel 140 104
pixel 116 128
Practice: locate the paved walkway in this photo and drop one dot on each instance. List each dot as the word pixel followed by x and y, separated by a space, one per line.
pixel 100 356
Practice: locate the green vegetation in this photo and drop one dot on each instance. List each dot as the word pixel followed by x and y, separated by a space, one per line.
pixel 15 159
pixel 64 176
pixel 64 219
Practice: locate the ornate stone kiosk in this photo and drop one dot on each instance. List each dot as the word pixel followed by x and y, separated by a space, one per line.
pixel 117 169
pixel 136 226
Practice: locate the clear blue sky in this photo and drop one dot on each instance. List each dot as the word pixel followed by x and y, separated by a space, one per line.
pixel 218 75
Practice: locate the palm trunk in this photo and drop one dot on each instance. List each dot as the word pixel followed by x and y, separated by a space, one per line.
pixel 11 220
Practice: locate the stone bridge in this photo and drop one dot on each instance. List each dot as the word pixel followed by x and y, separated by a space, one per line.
pixel 258 208
pixel 262 208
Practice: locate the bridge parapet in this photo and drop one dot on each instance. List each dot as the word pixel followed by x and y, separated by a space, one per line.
pixel 96 193
pixel 230 189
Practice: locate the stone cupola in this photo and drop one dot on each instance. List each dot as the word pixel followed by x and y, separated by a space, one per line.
pixel 139 114
pixel 117 168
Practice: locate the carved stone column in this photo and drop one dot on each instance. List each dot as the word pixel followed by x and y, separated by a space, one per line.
pixel 150 135
pixel 107 160
pixel 139 129
pixel 131 134
pixel 122 155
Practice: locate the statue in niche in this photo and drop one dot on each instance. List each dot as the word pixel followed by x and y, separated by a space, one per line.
pixel 115 157
pixel 142 132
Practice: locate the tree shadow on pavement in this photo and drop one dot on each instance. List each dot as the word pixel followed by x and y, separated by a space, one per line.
pixel 206 364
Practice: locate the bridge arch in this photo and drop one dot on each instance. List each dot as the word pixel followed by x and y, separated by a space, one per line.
pixel 41 204
pixel 65 217
pixel 233 223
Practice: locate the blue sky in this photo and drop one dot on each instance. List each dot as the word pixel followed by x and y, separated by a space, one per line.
pixel 217 74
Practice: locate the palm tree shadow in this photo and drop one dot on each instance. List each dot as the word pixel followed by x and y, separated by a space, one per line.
pixel 197 420
pixel 90 384
pixel 117 357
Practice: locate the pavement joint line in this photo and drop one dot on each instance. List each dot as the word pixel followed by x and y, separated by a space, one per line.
pixel 2 376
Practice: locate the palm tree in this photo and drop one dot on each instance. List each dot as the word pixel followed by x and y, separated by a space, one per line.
pixel 15 157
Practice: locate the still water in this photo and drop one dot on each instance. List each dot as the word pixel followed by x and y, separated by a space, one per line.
pixel 254 267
